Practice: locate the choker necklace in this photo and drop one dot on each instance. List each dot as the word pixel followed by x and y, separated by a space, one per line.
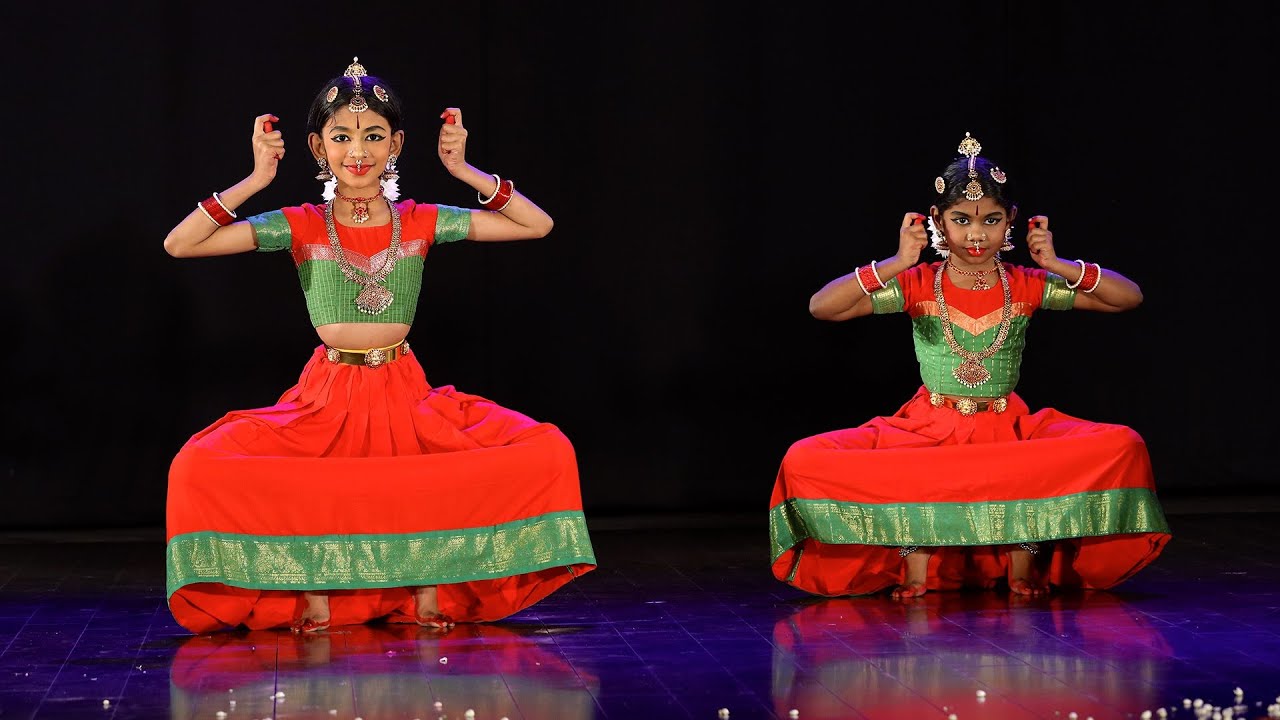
pixel 359 205
pixel 981 282
pixel 971 373
pixel 374 298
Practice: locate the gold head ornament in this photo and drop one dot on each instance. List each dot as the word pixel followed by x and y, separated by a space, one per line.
pixel 355 71
pixel 357 104
pixel 970 148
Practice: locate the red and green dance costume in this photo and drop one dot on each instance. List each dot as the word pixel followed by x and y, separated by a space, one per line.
pixel 367 482
pixel 965 486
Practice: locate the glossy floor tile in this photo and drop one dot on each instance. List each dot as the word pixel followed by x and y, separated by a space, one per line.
pixel 677 622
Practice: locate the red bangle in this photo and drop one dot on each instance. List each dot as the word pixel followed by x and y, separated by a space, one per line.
pixel 500 198
pixel 869 279
pixel 216 211
pixel 1092 276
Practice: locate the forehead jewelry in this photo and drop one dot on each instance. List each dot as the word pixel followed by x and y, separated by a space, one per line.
pixel 970 147
pixel 357 104
pixel 355 71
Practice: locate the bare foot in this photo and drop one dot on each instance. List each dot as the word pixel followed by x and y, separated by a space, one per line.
pixel 913 585
pixel 428 609
pixel 316 615
pixel 1023 578
pixel 909 590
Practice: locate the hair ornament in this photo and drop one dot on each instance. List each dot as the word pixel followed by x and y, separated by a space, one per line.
pixel 998 175
pixel 355 71
pixel 939 184
pixel 970 147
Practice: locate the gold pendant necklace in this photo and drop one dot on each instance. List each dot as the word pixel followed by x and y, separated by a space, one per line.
pixel 360 205
pixel 981 275
pixel 972 373
pixel 373 297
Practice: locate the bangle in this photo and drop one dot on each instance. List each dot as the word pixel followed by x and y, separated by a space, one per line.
pixel 227 210
pixel 218 213
pixel 868 278
pixel 877 274
pixel 1092 277
pixel 486 200
pixel 1083 269
pixel 501 197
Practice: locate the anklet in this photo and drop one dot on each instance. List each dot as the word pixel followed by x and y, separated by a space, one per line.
pixel 1030 547
pixel 907 550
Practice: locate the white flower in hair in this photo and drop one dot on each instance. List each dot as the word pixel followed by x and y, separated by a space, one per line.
pixel 391 190
pixel 939 241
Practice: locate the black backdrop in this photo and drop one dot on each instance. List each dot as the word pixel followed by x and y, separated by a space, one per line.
pixel 709 167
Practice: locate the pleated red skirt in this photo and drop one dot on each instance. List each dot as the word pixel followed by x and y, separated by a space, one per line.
pixel 368 482
pixel 967 487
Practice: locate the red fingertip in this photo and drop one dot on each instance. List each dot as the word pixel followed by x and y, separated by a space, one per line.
pixel 917 221
pixel 266 126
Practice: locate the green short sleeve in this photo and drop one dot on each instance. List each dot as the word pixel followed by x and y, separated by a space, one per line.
pixel 271 231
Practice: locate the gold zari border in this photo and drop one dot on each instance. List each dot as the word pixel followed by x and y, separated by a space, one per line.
pixel 268 562
pixel 1089 514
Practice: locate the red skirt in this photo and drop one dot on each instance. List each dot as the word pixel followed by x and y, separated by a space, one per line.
pixel 367 483
pixel 967 487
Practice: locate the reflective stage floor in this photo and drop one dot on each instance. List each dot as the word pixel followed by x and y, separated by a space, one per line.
pixel 678 621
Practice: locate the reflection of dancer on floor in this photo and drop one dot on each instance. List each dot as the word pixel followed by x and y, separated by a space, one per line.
pixel 363 395
pixel 912 482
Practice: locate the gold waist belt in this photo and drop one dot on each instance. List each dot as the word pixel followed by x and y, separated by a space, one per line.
pixel 969 406
pixel 374 357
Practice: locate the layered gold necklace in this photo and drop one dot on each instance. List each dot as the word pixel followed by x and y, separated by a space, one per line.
pixel 972 373
pixel 373 298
